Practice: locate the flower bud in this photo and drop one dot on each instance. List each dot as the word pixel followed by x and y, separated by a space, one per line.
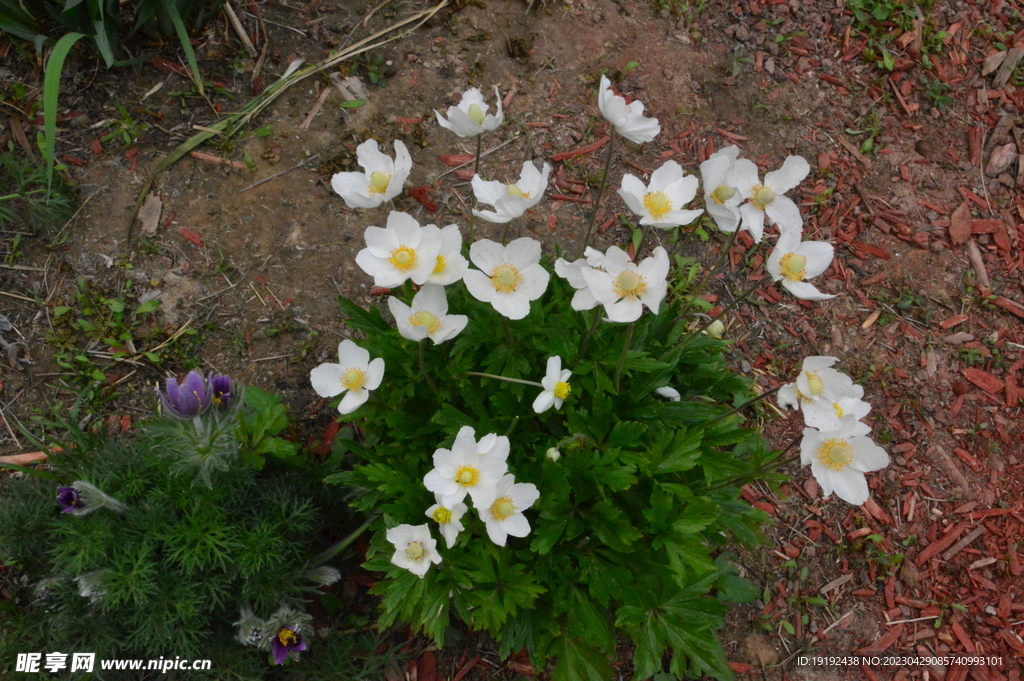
pixel 553 454
pixel 715 329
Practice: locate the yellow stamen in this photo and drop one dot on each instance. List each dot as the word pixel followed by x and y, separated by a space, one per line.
pixel 839 410
pixel 503 508
pixel 836 454
pixel 441 264
pixel 287 637
pixel 403 258
pixel 629 284
pixel 442 515
pixel 427 319
pixel 562 390
pixel 476 113
pixel 762 196
pixel 506 278
pixel 353 379
pixel 793 266
pixel 657 204
pixel 467 476
pixel 514 190
pixel 722 193
pixel 815 383
pixel 414 551
pixel 379 182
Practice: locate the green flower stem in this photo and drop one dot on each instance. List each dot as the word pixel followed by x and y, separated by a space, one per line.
pixel 726 310
pixel 343 544
pixel 622 357
pixel 504 378
pixel 746 404
pixel 590 332
pixel 512 426
pixel 600 190
pixel 426 374
pixel 476 169
pixel 711 277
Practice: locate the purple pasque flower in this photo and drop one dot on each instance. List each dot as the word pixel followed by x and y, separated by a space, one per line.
pixel 192 398
pixel 69 499
pixel 286 641
pixel 221 391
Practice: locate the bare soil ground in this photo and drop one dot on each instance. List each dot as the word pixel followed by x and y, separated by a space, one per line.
pixel 916 178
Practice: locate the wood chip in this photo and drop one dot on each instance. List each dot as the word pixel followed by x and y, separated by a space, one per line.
pixel 983 380
pixel 940 545
pixel 960 224
pixel 1007 67
pixel 964 543
pixel 149 214
pixel 872 318
pixel 979 265
pixel 836 583
pixel 24 459
pixel 850 147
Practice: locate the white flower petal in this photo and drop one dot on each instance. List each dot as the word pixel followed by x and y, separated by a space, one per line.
pixel 326 379
pixel 793 171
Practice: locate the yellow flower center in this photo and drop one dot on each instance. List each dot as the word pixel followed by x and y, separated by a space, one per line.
pixel 403 258
pixel 839 410
pixel 722 193
pixel 287 637
pixel 629 284
pixel 414 551
pixel 476 113
pixel 467 476
pixel 442 515
pixel 657 204
pixel 514 190
pixel 503 508
pixel 836 454
pixel 441 264
pixel 353 379
pixel 815 383
pixel 379 182
pixel 506 278
pixel 763 196
pixel 562 390
pixel 793 266
pixel 427 319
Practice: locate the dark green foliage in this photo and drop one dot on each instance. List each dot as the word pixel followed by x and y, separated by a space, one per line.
pixel 169 575
pixel 105 22
pixel 23 198
pixel 629 518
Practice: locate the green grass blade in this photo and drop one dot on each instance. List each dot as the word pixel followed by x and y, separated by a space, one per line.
pixel 51 90
pixel 186 44
pixel 29 471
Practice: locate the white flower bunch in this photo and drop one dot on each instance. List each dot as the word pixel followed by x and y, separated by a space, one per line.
pixel 835 443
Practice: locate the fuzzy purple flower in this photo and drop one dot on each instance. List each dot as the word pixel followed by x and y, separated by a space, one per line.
pixel 69 499
pixel 286 641
pixel 221 389
pixel 191 398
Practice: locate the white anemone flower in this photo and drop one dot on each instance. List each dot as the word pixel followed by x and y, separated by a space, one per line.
pixel 510 201
pixel 428 316
pixel 625 287
pixel 354 374
pixel 382 179
pixel 402 250
pixel 502 512
pixel 818 382
pixel 661 203
pixel 840 458
pixel 509 276
pixel 470 117
pixel 415 549
pixel 766 198
pixel 627 119
pixel 556 386
pixel 828 414
pixel 794 261
pixel 451 264
pixel 469 467
pixel 669 393
pixel 573 273
pixel 448 518
pixel 721 197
